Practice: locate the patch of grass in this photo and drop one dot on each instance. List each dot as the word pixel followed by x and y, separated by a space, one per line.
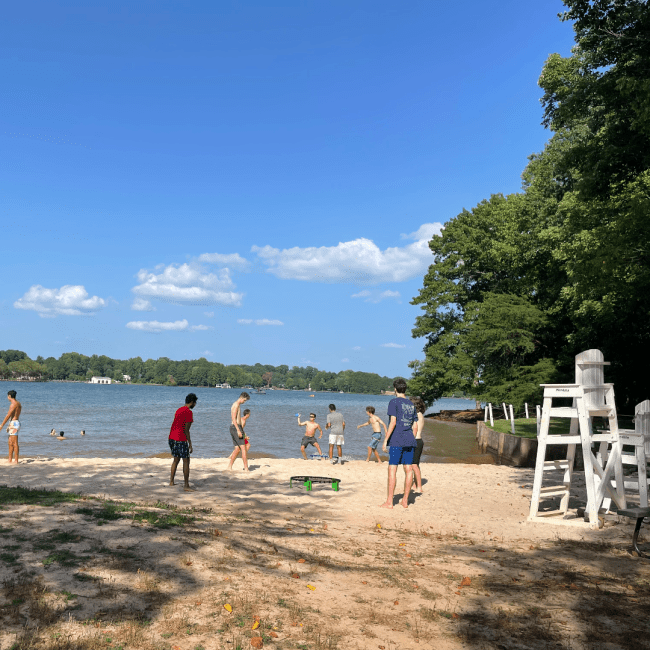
pixel 162 520
pixel 65 558
pixel 527 428
pixel 84 577
pixel 26 496
pixel 111 511
pixel 9 558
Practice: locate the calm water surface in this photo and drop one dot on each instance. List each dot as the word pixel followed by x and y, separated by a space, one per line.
pixel 123 420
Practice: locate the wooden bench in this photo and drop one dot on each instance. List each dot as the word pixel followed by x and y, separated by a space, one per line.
pixel 639 514
pixel 308 481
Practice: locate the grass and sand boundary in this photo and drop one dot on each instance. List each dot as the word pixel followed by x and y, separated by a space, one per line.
pixel 114 558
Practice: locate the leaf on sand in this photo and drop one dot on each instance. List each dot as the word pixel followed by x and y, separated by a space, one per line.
pixel 256 624
pixel 312 587
pixel 301 560
pixel 465 582
pixel 257 642
pixel 378 525
pixel 396 602
pixel 228 607
pixel 295 575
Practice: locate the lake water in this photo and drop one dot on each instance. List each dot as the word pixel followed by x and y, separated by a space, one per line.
pixel 123 420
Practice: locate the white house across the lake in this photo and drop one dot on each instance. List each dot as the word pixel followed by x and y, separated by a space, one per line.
pixel 100 380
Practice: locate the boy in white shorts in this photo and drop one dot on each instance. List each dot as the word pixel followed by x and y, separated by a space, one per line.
pixel 13 417
pixel 336 425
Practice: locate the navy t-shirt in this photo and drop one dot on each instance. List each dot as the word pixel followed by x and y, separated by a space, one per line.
pixel 403 410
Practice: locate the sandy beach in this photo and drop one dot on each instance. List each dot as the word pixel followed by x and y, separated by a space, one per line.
pixel 460 568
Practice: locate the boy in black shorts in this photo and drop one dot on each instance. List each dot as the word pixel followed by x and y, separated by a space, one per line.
pixel 310 434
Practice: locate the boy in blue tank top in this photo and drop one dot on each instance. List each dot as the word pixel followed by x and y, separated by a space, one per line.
pixel 401 433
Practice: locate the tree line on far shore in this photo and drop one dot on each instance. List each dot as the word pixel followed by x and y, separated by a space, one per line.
pixel 522 283
pixel 72 366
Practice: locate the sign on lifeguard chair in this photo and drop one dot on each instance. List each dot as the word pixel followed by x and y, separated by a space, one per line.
pixel 591 397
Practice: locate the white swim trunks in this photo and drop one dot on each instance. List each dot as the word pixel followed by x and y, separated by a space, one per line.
pixel 13 428
pixel 336 440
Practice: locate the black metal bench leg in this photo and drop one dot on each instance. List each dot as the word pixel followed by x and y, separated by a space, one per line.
pixel 635 537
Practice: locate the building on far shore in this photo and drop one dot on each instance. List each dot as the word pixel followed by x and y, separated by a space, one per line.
pixel 100 380
pixel 127 377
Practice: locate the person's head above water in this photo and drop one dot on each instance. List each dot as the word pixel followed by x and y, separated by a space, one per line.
pixel 61 434
pixel 191 400
pixel 11 394
pixel 332 407
pixel 400 385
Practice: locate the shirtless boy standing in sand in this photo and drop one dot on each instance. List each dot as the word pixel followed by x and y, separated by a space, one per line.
pixel 13 417
pixel 237 432
pixel 376 423
pixel 310 434
pixel 247 443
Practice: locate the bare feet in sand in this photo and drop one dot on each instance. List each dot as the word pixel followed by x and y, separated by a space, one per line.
pixel 387 505
pixel 172 483
pixel 404 505
pixel 187 488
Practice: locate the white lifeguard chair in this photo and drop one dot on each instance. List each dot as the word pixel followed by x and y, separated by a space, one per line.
pixel 639 439
pixel 591 397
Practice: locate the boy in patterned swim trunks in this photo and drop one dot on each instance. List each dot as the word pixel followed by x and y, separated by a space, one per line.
pixel 376 423
pixel 13 416
pixel 180 443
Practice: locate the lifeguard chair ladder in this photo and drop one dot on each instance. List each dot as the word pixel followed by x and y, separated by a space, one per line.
pixel 591 398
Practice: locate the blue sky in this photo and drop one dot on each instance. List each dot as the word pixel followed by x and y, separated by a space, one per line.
pixel 251 181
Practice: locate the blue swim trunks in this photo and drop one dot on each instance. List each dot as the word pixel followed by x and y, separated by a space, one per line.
pixel 375 440
pixel 179 448
pixel 400 455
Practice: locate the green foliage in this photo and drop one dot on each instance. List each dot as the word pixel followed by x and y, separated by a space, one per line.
pixel 72 366
pixel 35 497
pixel 521 284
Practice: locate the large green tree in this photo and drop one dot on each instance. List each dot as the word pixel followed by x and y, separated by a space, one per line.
pixel 574 245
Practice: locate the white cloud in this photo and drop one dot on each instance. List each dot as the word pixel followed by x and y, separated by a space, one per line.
pixel 200 328
pixel 426 231
pixel 344 360
pixel 231 260
pixel 259 321
pixel 377 297
pixel 209 314
pixel 157 326
pixel 69 300
pixel 188 283
pixel 207 353
pixel 356 347
pixel 266 321
pixel 392 345
pixel 359 261
pixel 140 304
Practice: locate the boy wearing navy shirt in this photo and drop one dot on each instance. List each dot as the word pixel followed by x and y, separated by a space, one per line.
pixel 401 433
